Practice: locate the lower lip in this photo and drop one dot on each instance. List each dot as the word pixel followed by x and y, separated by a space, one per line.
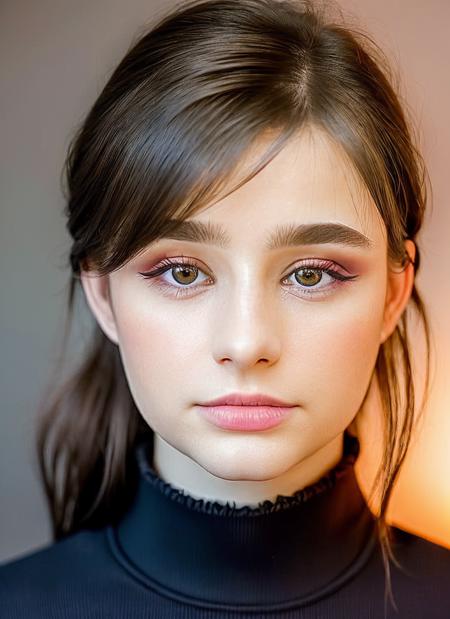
pixel 246 417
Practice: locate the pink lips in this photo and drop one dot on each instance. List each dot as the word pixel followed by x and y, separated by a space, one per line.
pixel 240 411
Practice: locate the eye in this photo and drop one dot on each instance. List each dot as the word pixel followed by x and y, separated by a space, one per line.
pixel 310 277
pixel 183 272
pixel 307 277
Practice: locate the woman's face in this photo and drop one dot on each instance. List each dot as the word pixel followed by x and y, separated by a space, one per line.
pixel 251 320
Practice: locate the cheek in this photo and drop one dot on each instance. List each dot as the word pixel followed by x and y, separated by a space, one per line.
pixel 157 348
pixel 336 350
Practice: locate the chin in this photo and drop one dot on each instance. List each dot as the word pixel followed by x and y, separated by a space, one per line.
pixel 251 467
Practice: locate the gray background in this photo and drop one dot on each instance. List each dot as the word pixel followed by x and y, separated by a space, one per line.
pixel 55 57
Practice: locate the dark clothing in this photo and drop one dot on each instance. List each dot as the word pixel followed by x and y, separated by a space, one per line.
pixel 314 554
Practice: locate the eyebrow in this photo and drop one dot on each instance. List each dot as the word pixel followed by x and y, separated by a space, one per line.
pixel 285 235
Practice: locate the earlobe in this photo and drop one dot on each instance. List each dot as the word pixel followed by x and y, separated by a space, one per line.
pixel 97 290
pixel 399 288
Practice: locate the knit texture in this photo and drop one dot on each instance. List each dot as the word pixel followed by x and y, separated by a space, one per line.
pixel 312 555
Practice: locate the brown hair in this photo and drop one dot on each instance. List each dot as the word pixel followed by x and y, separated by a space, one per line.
pixel 166 133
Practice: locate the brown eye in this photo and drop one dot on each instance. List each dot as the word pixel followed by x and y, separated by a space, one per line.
pixel 176 277
pixel 185 274
pixel 308 277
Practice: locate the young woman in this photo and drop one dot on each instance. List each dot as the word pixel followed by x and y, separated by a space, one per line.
pixel 244 200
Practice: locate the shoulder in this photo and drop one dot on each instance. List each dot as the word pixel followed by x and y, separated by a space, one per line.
pixel 69 554
pixel 420 576
pixel 60 573
pixel 419 556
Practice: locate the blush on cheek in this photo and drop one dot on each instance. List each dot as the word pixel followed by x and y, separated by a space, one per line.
pixel 358 341
pixel 338 356
pixel 156 345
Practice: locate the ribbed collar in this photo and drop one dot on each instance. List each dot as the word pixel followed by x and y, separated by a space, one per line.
pixel 276 555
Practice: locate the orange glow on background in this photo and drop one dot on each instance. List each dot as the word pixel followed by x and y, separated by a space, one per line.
pixel 421 498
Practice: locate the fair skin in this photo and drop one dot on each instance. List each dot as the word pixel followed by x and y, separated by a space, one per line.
pixel 246 323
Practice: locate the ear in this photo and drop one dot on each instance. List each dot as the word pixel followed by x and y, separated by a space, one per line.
pixel 399 288
pixel 97 290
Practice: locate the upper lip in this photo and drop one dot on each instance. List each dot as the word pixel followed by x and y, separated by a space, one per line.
pixel 247 399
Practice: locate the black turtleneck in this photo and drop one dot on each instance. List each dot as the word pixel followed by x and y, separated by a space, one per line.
pixel 314 554
pixel 277 555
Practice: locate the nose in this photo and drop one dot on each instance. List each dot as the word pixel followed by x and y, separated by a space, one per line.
pixel 247 329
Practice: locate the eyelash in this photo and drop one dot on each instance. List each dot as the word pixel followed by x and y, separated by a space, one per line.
pixel 324 266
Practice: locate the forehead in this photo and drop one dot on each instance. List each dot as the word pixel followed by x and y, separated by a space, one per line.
pixel 310 180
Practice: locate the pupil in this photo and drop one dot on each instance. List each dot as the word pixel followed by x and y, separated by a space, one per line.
pixel 185 271
pixel 310 275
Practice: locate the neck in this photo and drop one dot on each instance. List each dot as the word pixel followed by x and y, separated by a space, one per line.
pixel 291 551
pixel 184 473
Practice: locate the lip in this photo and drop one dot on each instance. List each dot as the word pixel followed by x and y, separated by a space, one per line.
pixel 247 399
pixel 246 411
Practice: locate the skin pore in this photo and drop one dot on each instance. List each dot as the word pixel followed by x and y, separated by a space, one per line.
pixel 247 321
